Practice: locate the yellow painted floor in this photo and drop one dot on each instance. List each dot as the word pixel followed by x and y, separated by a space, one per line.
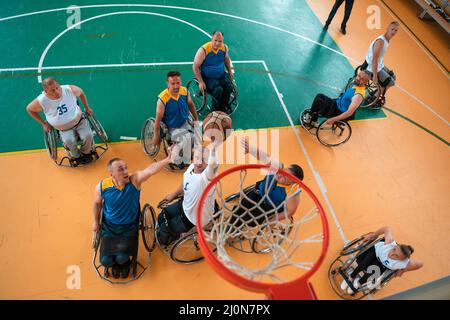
pixel 389 173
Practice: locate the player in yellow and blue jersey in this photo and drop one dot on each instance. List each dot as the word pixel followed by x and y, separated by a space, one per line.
pixel 210 63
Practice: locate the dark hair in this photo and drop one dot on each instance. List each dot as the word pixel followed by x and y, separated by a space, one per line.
pixel 296 171
pixel 110 162
pixel 394 22
pixel 173 74
pixel 218 31
pixel 406 250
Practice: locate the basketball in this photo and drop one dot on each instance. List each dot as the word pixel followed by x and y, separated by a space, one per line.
pixel 215 126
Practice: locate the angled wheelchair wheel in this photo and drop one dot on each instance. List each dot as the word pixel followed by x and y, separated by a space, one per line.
pixel 186 250
pixel 50 140
pixel 148 227
pixel 198 97
pixel 334 135
pixel 265 240
pixel 147 136
pixel 236 195
pixel 97 127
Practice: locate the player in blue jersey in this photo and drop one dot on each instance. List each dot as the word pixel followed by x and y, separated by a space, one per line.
pixel 210 63
pixel 342 108
pixel 172 114
pixel 117 198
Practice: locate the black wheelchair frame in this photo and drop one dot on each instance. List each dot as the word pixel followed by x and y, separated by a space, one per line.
pixel 203 101
pixel 52 138
pixel 146 224
pixel 329 135
pixel 341 268
pixel 185 249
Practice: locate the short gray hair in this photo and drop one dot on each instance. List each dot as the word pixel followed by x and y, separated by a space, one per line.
pixel 48 82
pixel 111 162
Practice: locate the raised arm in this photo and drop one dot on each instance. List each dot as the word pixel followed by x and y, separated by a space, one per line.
pixel 33 109
pixel 211 169
pixel 412 265
pixel 97 208
pixel 140 177
pixel 77 91
pixel 198 60
pixel 259 154
pixel 356 102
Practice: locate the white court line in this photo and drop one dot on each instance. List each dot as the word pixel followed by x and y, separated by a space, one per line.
pixel 116 65
pixel 209 12
pixel 41 60
pixel 308 159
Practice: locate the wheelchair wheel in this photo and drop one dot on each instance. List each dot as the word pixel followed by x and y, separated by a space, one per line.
pixel 263 243
pixel 236 195
pixel 234 103
pixel 198 97
pixel 147 136
pixel 334 135
pixel 97 127
pixel 356 245
pixel 187 250
pixel 50 139
pixel 148 227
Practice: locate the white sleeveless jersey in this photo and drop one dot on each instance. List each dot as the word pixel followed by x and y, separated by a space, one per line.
pixel 382 252
pixel 193 186
pixel 63 113
pixel 369 56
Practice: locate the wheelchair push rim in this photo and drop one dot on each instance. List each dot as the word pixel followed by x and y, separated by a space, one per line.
pixel 97 128
pixel 146 138
pixel 198 97
pixel 51 144
pixel 186 250
pixel 148 227
pixel 334 135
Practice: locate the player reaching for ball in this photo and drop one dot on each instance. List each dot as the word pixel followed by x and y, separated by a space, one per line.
pixel 217 126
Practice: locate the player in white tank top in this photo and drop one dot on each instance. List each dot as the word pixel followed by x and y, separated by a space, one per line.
pixel 181 215
pixel 59 105
pixel 378 48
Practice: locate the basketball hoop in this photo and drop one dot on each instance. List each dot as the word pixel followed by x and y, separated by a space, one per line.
pixel 282 253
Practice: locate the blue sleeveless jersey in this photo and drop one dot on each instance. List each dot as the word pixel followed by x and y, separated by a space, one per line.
pixel 214 64
pixel 120 206
pixel 176 109
pixel 275 192
pixel 343 103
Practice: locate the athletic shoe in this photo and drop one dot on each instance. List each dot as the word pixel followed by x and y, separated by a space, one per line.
pixel 125 270
pixel 116 271
pixel 343 31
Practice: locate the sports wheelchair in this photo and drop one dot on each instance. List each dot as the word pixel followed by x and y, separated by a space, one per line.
pixel 329 135
pixel 52 139
pixel 374 94
pixel 253 239
pixel 145 225
pixel 342 267
pixel 165 141
pixel 204 101
pixel 184 248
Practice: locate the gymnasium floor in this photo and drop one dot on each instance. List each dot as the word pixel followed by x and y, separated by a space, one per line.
pixel 392 171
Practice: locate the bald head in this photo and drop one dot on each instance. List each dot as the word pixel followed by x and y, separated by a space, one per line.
pixel 47 82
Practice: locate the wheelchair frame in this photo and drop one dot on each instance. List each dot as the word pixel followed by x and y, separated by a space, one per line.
pixel 51 143
pixel 189 236
pixel 146 224
pixel 203 100
pixel 373 89
pixel 337 129
pixel 341 269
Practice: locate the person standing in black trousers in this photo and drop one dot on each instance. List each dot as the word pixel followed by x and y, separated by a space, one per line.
pixel 348 10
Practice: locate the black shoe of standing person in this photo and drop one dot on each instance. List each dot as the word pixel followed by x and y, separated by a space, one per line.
pixel 343 31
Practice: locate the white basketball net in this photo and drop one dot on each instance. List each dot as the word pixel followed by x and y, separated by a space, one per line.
pixel 263 246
